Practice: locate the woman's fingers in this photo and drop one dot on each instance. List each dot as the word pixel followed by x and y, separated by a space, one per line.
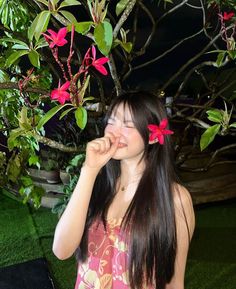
pixel 101 145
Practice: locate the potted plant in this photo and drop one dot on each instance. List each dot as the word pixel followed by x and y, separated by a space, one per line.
pixel 48 168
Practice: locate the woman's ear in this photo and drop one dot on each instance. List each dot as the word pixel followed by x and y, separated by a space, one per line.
pixel 153 141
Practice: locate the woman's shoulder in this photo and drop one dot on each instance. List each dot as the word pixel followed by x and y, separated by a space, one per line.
pixel 184 210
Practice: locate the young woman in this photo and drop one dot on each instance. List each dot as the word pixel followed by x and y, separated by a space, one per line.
pixel 128 216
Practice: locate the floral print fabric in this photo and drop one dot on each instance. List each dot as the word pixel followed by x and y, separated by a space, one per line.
pixel 106 266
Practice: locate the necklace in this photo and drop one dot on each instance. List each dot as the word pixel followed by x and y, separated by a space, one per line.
pixel 123 188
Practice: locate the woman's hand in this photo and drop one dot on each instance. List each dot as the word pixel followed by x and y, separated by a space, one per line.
pixel 99 151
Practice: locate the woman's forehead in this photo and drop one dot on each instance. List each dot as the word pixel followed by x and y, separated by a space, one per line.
pixel 122 111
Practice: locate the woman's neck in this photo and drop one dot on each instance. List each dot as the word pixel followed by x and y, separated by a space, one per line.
pixel 130 170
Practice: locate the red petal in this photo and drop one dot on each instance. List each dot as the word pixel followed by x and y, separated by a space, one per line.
pixel 161 139
pixel 53 33
pixel 52 44
pixel 163 123
pixel 55 94
pixel 62 33
pixel 93 52
pixel 167 131
pixel 61 42
pixel 47 37
pixel 63 96
pixel 152 137
pixel 152 127
pixel 101 60
pixel 100 68
pixel 65 86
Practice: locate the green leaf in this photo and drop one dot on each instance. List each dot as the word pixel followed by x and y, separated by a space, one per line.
pixel 13 135
pixel 13 40
pixel 24 122
pixel 50 114
pixel 20 47
pixel 66 3
pixel 66 112
pixel 127 46
pixel 78 158
pixel 39 25
pixel 220 59
pixel 233 125
pixel 81 117
pixel 83 89
pixel 33 160
pixel 209 135
pixel 121 5
pixel 232 54
pixel 88 98
pixel 215 115
pixel 69 16
pixel 14 56
pixel 44 2
pixel 41 43
pixel 103 37
pixel 55 2
pixel 34 58
pixel 4 77
pixel 83 27
pixel 26 181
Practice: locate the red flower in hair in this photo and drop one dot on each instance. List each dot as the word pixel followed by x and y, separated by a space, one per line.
pixel 158 132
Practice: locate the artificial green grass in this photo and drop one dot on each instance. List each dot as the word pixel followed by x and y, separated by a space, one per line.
pixel 212 255
pixel 27 234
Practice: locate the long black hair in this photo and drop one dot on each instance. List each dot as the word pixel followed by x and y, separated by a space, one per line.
pixel 151 212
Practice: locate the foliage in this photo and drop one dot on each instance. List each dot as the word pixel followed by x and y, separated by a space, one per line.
pixel 73 169
pixel 60 58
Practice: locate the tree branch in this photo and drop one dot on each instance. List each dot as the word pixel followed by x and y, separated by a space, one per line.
pixel 172 10
pixel 57 145
pixel 114 74
pixel 124 17
pixel 167 51
pixel 183 67
pixel 149 39
pixel 14 85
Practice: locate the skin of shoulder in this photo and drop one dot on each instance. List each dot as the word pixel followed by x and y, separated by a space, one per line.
pixel 185 224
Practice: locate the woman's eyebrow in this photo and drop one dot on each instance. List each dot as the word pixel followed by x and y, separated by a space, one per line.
pixel 128 120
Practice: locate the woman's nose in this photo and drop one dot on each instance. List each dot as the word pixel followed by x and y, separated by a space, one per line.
pixel 115 129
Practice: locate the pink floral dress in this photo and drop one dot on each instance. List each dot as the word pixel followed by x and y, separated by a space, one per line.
pixel 106 266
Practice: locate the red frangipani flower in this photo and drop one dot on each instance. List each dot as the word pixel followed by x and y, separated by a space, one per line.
pixel 56 39
pixel 228 16
pixel 97 63
pixel 158 132
pixel 61 94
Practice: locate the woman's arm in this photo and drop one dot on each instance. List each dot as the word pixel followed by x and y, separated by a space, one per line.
pixel 70 227
pixel 183 213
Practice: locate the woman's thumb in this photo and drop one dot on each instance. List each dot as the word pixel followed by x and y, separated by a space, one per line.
pixel 114 146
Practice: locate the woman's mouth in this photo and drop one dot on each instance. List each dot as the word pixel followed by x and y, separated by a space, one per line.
pixel 121 145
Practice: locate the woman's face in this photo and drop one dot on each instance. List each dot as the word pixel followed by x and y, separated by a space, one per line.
pixel 120 124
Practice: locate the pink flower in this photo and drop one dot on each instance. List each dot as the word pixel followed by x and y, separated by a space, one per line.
pixel 158 132
pixel 56 39
pixel 60 93
pixel 228 16
pixel 97 63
